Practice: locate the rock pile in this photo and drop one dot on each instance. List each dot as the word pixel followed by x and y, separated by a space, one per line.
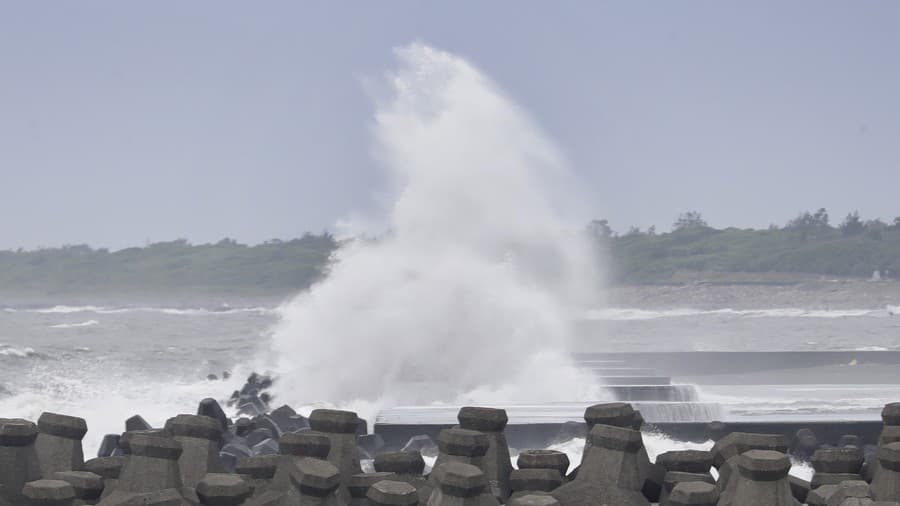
pixel 279 458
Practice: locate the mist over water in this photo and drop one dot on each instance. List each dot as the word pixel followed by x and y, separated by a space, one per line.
pixel 470 295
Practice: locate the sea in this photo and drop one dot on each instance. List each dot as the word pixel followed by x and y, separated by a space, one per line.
pixel 109 361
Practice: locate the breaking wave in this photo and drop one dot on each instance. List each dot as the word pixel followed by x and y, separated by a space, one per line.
pixel 469 295
pixel 225 310
pixel 89 323
pixel 10 351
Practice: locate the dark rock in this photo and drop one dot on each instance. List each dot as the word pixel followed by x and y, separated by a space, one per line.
pixel 199 436
pixel 239 451
pixel 288 420
pixel 527 481
pixel 673 478
pixel 125 439
pixel 727 451
pixel 18 458
pixel 462 443
pixel 218 489
pixel 407 467
pixel 805 443
pixel 890 414
pixel 819 496
pixel 820 479
pixel 716 430
pixel 48 493
pixel 243 426
pixel 496 464
pixel 58 443
pixel 360 484
pixel 694 493
pixel 257 435
pixel 105 467
pixel 266 422
pixel 267 447
pixel 400 463
pixel 109 444
pixel 340 427
pixel 886 482
pixel 136 423
pixel 258 470
pixel 315 479
pixel 845 459
pixel 533 500
pixel 590 493
pixel 686 461
pixel 616 414
pixel 850 440
pixel 88 486
pixel 737 443
pixel 305 444
pixel 799 488
pixel 612 459
pixel 456 480
pixel 392 493
pixel 482 419
pixel 211 408
pixel 850 493
pixel 763 477
pixel 544 459
pixel 152 466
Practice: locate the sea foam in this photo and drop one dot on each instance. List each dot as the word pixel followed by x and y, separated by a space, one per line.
pixel 470 295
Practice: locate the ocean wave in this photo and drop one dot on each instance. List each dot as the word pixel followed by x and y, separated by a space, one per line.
pixel 10 351
pixel 224 310
pixel 64 309
pixel 205 312
pixel 634 314
pixel 89 323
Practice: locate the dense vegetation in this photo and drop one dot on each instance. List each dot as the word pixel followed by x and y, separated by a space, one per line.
pixel 275 267
pixel 808 244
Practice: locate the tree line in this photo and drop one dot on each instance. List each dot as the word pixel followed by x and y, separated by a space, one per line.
pixel 806 244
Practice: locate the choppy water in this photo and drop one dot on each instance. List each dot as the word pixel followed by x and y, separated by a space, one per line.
pixel 758 329
pixel 106 363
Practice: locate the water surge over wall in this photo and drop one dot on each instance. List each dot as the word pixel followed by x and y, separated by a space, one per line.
pixel 471 293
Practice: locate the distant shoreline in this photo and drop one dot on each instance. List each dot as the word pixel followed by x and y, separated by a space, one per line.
pixel 693 255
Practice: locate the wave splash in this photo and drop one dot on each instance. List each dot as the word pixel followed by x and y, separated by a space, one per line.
pixel 469 297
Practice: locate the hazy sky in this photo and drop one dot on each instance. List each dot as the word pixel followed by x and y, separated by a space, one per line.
pixel 127 122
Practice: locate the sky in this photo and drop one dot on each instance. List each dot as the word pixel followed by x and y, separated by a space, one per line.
pixel 123 123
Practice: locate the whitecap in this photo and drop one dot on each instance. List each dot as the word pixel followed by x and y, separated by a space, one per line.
pixel 67 309
pixel 89 323
pixel 636 314
pixel 9 351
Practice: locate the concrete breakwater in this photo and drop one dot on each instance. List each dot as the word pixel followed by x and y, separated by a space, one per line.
pixel 266 456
